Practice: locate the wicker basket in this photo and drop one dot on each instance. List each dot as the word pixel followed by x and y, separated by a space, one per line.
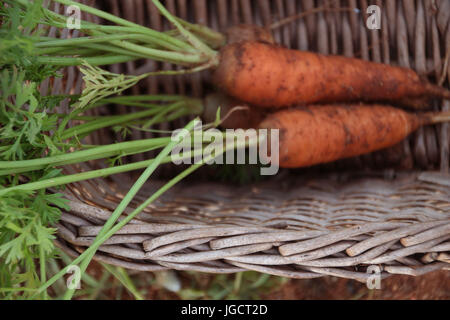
pixel 390 209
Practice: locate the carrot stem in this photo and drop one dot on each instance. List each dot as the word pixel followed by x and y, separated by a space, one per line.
pixel 305 14
pixel 438 91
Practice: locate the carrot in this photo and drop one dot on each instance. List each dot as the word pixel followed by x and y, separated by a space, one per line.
pixel 266 75
pixel 234 115
pixel 320 134
pixel 248 32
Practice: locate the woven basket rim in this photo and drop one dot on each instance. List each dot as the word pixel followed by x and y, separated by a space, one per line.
pixel 410 242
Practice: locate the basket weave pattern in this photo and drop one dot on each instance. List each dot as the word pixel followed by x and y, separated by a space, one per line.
pixel 295 227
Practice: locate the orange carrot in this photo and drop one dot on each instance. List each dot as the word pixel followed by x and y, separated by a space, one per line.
pixel 321 134
pixel 266 75
pixel 234 115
